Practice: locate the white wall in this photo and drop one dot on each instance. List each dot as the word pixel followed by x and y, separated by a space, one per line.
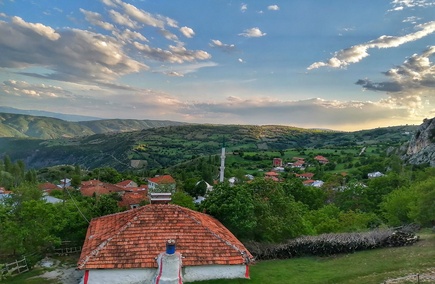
pixel 118 276
pixel 145 275
pixel 207 272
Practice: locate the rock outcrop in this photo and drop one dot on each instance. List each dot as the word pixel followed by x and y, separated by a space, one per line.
pixel 421 148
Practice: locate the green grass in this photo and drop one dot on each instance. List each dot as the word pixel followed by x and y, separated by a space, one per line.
pixel 366 267
pixel 374 266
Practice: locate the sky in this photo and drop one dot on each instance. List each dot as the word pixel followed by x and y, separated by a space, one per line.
pixel 342 65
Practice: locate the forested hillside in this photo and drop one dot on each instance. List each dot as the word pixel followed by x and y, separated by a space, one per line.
pixel 167 146
pixel 27 126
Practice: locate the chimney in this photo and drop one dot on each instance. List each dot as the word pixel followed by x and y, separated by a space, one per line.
pixel 169 266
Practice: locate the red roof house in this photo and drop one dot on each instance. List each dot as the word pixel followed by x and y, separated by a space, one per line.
pixel 164 183
pixel 127 183
pixel 96 187
pixel 122 247
pixel 132 200
pixel 321 159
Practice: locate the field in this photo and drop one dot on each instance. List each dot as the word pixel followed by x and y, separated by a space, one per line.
pixel 374 266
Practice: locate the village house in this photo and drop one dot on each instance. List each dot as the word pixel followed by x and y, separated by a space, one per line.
pixel 127 184
pixel 277 162
pixel 123 247
pixel 375 175
pixel 321 159
pixel 272 175
pixel 48 187
pixel 306 176
pixel 164 183
pixel 131 200
pixel 96 187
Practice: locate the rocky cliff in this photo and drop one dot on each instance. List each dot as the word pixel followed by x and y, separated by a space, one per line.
pixel 421 148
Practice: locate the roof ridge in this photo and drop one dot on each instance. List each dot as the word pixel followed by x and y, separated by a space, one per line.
pixel 105 242
pixel 209 230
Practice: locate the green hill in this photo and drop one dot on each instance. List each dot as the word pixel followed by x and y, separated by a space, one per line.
pixel 28 126
pixel 171 145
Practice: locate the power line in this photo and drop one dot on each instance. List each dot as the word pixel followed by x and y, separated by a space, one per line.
pixel 77 206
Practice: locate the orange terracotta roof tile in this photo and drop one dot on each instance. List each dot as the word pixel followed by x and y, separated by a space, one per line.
pixel 133 238
pixel 165 179
pixel 132 198
pixel 100 188
pixel 47 186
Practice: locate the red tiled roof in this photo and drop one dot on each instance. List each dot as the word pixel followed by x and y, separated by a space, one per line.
pixel 305 175
pixel 165 179
pixel 126 183
pixel 133 238
pixel 271 174
pixel 132 198
pixel 99 188
pixel 47 185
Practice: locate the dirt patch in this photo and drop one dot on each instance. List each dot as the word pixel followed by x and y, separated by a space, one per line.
pixel 64 273
pixel 424 277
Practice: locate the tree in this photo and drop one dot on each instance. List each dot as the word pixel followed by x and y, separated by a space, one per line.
pixel 234 207
pixel 106 204
pixel 397 206
pixel 183 199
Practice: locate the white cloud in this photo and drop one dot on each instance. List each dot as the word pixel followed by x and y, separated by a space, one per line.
pixel 222 46
pixel 356 53
pixel 97 20
pixel 123 19
pixel 22 88
pixel 273 8
pixel 253 32
pixel 142 16
pixel 38 28
pixel 243 7
pixel 187 32
pixel 399 5
pixel 416 74
pixel 175 54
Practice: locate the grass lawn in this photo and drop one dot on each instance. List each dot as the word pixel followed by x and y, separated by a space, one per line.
pixel 374 266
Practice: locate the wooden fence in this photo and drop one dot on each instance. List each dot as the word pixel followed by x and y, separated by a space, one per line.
pixel 67 251
pixel 13 268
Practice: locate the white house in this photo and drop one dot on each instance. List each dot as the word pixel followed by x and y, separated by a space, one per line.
pixel 375 175
pixel 123 247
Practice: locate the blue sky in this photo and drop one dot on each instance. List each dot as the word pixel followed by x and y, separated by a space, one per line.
pixel 344 65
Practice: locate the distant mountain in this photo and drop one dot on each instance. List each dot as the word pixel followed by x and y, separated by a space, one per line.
pixel 164 147
pixel 67 117
pixel 28 126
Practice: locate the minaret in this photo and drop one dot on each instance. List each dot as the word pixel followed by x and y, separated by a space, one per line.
pixel 222 168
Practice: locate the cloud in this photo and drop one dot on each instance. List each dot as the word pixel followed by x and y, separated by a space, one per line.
pixel 356 53
pixel 399 5
pixel 304 113
pixel 142 16
pixel 71 54
pixel 187 32
pixel 129 36
pixel 253 32
pixel 123 19
pixel 215 43
pixel 168 35
pixel 175 54
pixel 273 8
pixel 40 29
pixel 22 88
pixel 97 20
pixel 415 74
pixel 243 7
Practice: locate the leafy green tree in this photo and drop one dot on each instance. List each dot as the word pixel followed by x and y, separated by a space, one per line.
pixel 424 210
pixel 106 204
pixel 234 207
pixel 278 216
pixel 311 196
pixel 397 206
pixel 183 199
